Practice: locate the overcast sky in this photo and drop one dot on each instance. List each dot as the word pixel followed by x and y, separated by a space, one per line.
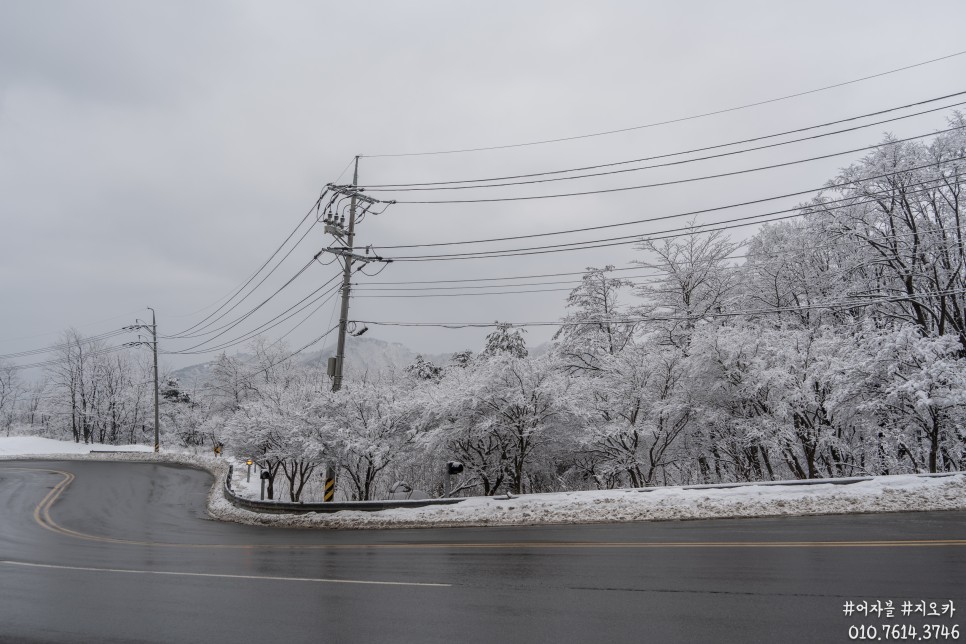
pixel 156 153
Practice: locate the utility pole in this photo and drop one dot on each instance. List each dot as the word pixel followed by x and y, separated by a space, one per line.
pixel 153 327
pixel 335 225
pixel 157 413
pixel 346 275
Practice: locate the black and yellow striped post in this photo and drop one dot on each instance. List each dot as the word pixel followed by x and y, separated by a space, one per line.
pixel 329 493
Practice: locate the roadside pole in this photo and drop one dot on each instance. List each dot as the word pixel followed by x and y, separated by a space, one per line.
pixel 157 413
pixel 346 284
pixel 329 492
pixel 153 328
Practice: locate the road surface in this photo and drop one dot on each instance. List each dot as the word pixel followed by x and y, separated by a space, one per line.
pixel 124 552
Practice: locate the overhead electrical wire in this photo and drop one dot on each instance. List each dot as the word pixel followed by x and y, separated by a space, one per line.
pixel 236 321
pixel 62 346
pixel 643 281
pixel 201 332
pixel 242 318
pixel 702 211
pixel 291 311
pixel 674 120
pixel 278 362
pixel 367 287
pixel 232 294
pixel 347 166
pixel 377 285
pixel 664 318
pixel 238 291
pixel 127 315
pixel 56 361
pixel 512 277
pixel 421 295
pixel 486 183
pixel 676 181
pixel 635 238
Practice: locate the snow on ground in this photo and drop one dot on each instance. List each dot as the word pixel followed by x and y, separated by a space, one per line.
pixel 14 445
pixel 882 494
pixel 902 493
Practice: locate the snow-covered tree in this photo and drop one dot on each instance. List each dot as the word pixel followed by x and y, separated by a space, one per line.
pixel 592 328
pixel 902 213
pixel 424 369
pixel 496 416
pixel 372 426
pixel 284 432
pixel 11 391
pixel 505 340
pixel 910 391
pixel 636 409
pixel 696 279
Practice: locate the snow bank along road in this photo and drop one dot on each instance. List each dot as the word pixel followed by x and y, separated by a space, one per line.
pixel 97 551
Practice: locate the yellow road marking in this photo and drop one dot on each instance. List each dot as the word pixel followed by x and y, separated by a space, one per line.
pixel 43 518
pixel 223 576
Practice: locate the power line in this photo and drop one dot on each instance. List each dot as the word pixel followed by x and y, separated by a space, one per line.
pixel 666 318
pixel 79 326
pixel 49 363
pixel 484 183
pixel 633 281
pixel 544 290
pixel 675 120
pixel 201 331
pixel 238 291
pixel 636 238
pixel 448 288
pixel 242 318
pixel 375 285
pixel 689 213
pixel 347 166
pixel 275 364
pixel 59 347
pixel 245 337
pixel 676 181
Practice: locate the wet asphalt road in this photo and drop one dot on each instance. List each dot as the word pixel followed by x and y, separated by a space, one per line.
pixel 124 552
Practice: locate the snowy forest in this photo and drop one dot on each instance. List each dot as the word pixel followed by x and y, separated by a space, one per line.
pixel 830 344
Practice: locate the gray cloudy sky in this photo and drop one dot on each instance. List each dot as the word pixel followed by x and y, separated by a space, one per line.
pixel 156 153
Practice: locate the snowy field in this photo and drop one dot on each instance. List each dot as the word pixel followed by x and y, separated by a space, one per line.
pixel 23 445
pixel 881 494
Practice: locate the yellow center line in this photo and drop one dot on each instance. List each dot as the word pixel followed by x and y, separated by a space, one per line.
pixel 222 575
pixel 42 517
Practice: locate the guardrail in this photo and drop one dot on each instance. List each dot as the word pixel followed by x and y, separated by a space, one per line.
pixel 285 507
pixel 790 482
